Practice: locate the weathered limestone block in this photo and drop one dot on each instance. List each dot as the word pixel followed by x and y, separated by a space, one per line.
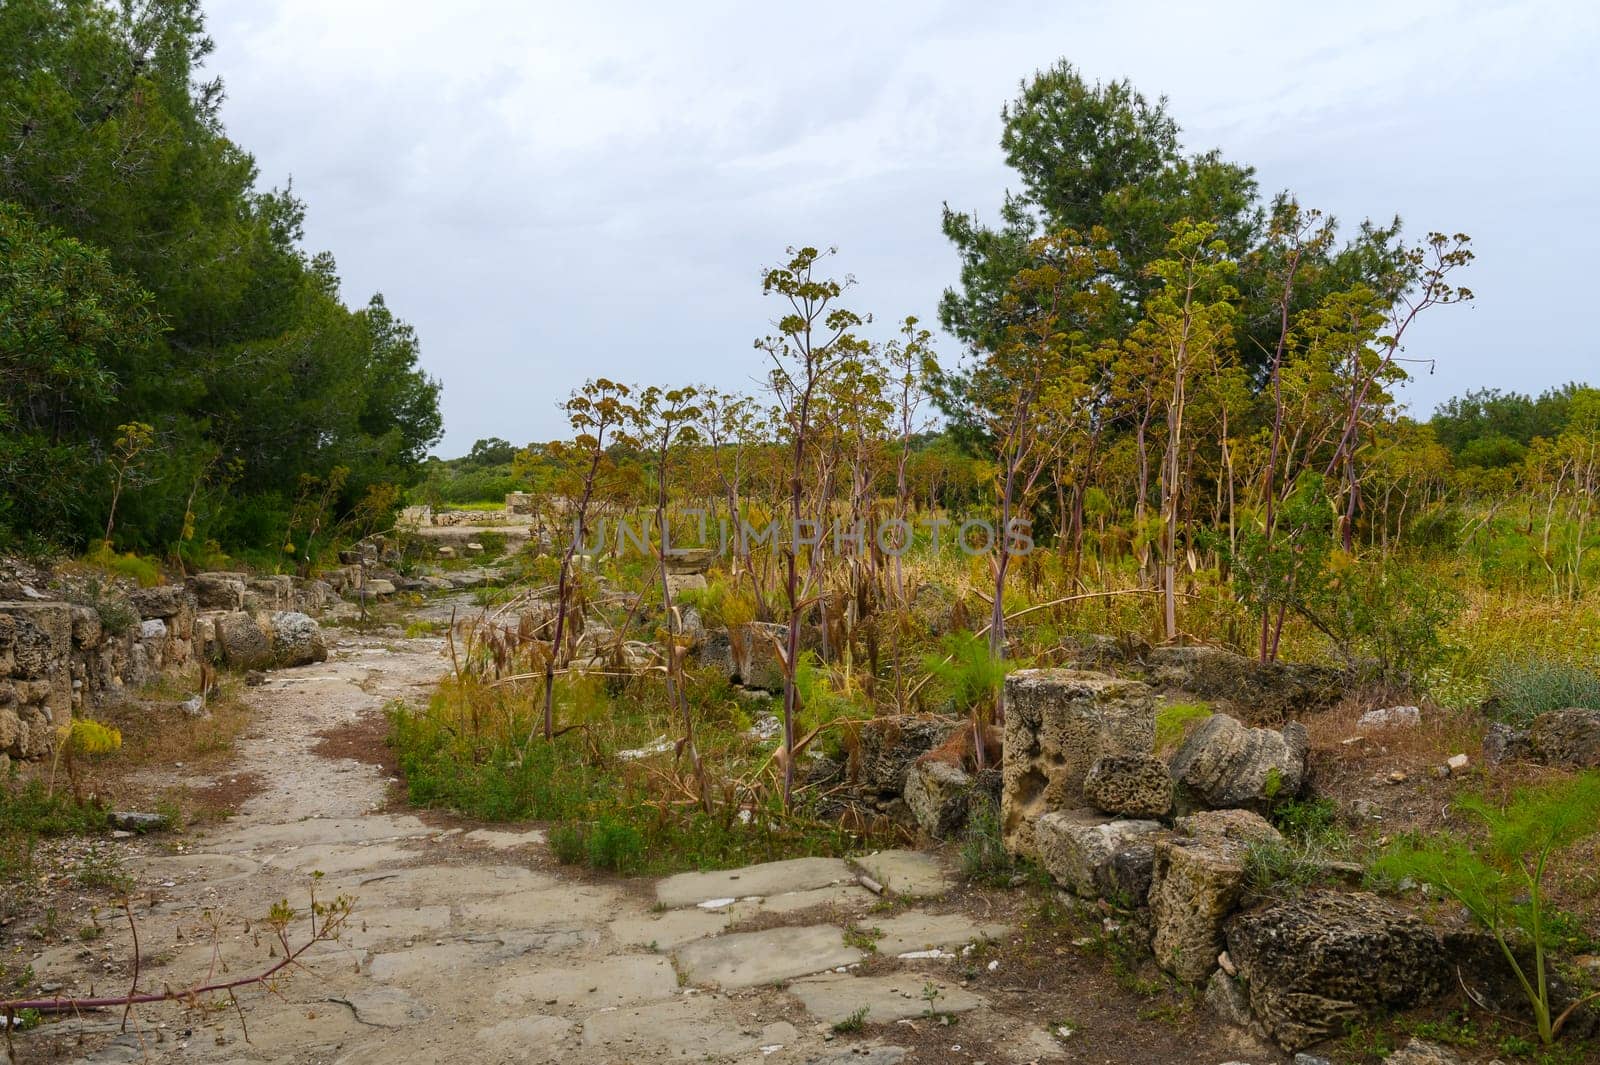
pixel 162 601
pixel 1569 737
pixel 1267 691
pixel 240 642
pixel 1059 722
pixel 939 796
pixel 1503 743
pixel 755 652
pixel 1236 826
pixel 688 560
pixel 1080 848
pixel 678 583
pixel 1195 886
pixel 1314 964
pixel 886 747
pixel 296 639
pixel 1137 785
pixel 272 592
pixel 1224 763
pixel 87 630
pixel 219 591
pixel 1228 1000
pixel 36 648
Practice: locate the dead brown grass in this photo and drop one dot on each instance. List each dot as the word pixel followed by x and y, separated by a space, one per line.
pixel 158 733
pixel 1443 732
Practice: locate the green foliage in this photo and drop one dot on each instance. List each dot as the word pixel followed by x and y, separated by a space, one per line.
pixel 599 815
pixel 30 809
pixel 1499 878
pixel 150 282
pixel 616 846
pixel 820 702
pixel 1521 690
pixel 1389 614
pixel 966 672
pixel 146 572
pixel 1172 721
pixel 1311 820
pixel 117 615
pixel 1490 428
pixel 853 1023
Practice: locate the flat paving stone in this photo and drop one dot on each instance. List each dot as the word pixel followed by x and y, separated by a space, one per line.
pixel 862 1055
pixel 914 931
pixel 851 898
pixel 834 997
pixel 530 1039
pixel 495 839
pixel 909 874
pixel 320 830
pixel 771 878
pixel 750 959
pixel 336 858
pixel 627 980
pixel 432 883
pixel 206 868
pixel 381 926
pixel 384 1007
pixel 671 929
pixel 544 907
pixel 692 1027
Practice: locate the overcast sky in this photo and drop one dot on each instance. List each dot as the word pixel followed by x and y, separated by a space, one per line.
pixel 550 192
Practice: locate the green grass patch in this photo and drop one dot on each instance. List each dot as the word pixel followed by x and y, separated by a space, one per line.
pixel 603 812
pixel 1172 721
pixel 1521 690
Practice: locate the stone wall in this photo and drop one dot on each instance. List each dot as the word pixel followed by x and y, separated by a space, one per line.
pixel 57 658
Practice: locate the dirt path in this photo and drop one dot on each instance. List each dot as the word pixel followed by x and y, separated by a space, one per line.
pixel 471 946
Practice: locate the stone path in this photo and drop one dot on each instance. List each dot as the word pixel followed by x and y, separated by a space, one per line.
pixel 472 946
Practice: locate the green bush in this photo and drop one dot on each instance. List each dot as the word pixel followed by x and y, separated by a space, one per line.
pixel 967 673
pixel 616 846
pixel 1522 690
pixel 568 843
pixel 1500 877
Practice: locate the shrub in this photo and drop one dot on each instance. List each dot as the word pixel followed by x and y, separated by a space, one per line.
pixel 968 673
pixel 1500 878
pixel 1520 691
pixel 616 846
pixel 117 615
pixel 142 570
pixel 568 843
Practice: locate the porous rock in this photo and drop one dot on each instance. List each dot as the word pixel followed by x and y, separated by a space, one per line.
pixel 1266 691
pixel 939 796
pixel 1316 963
pixel 1059 722
pixel 296 639
pixel 219 591
pixel 1196 884
pixel 1568 737
pixel 886 747
pixel 1137 785
pixel 240 642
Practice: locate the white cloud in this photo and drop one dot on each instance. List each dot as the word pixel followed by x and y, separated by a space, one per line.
pixel 551 191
